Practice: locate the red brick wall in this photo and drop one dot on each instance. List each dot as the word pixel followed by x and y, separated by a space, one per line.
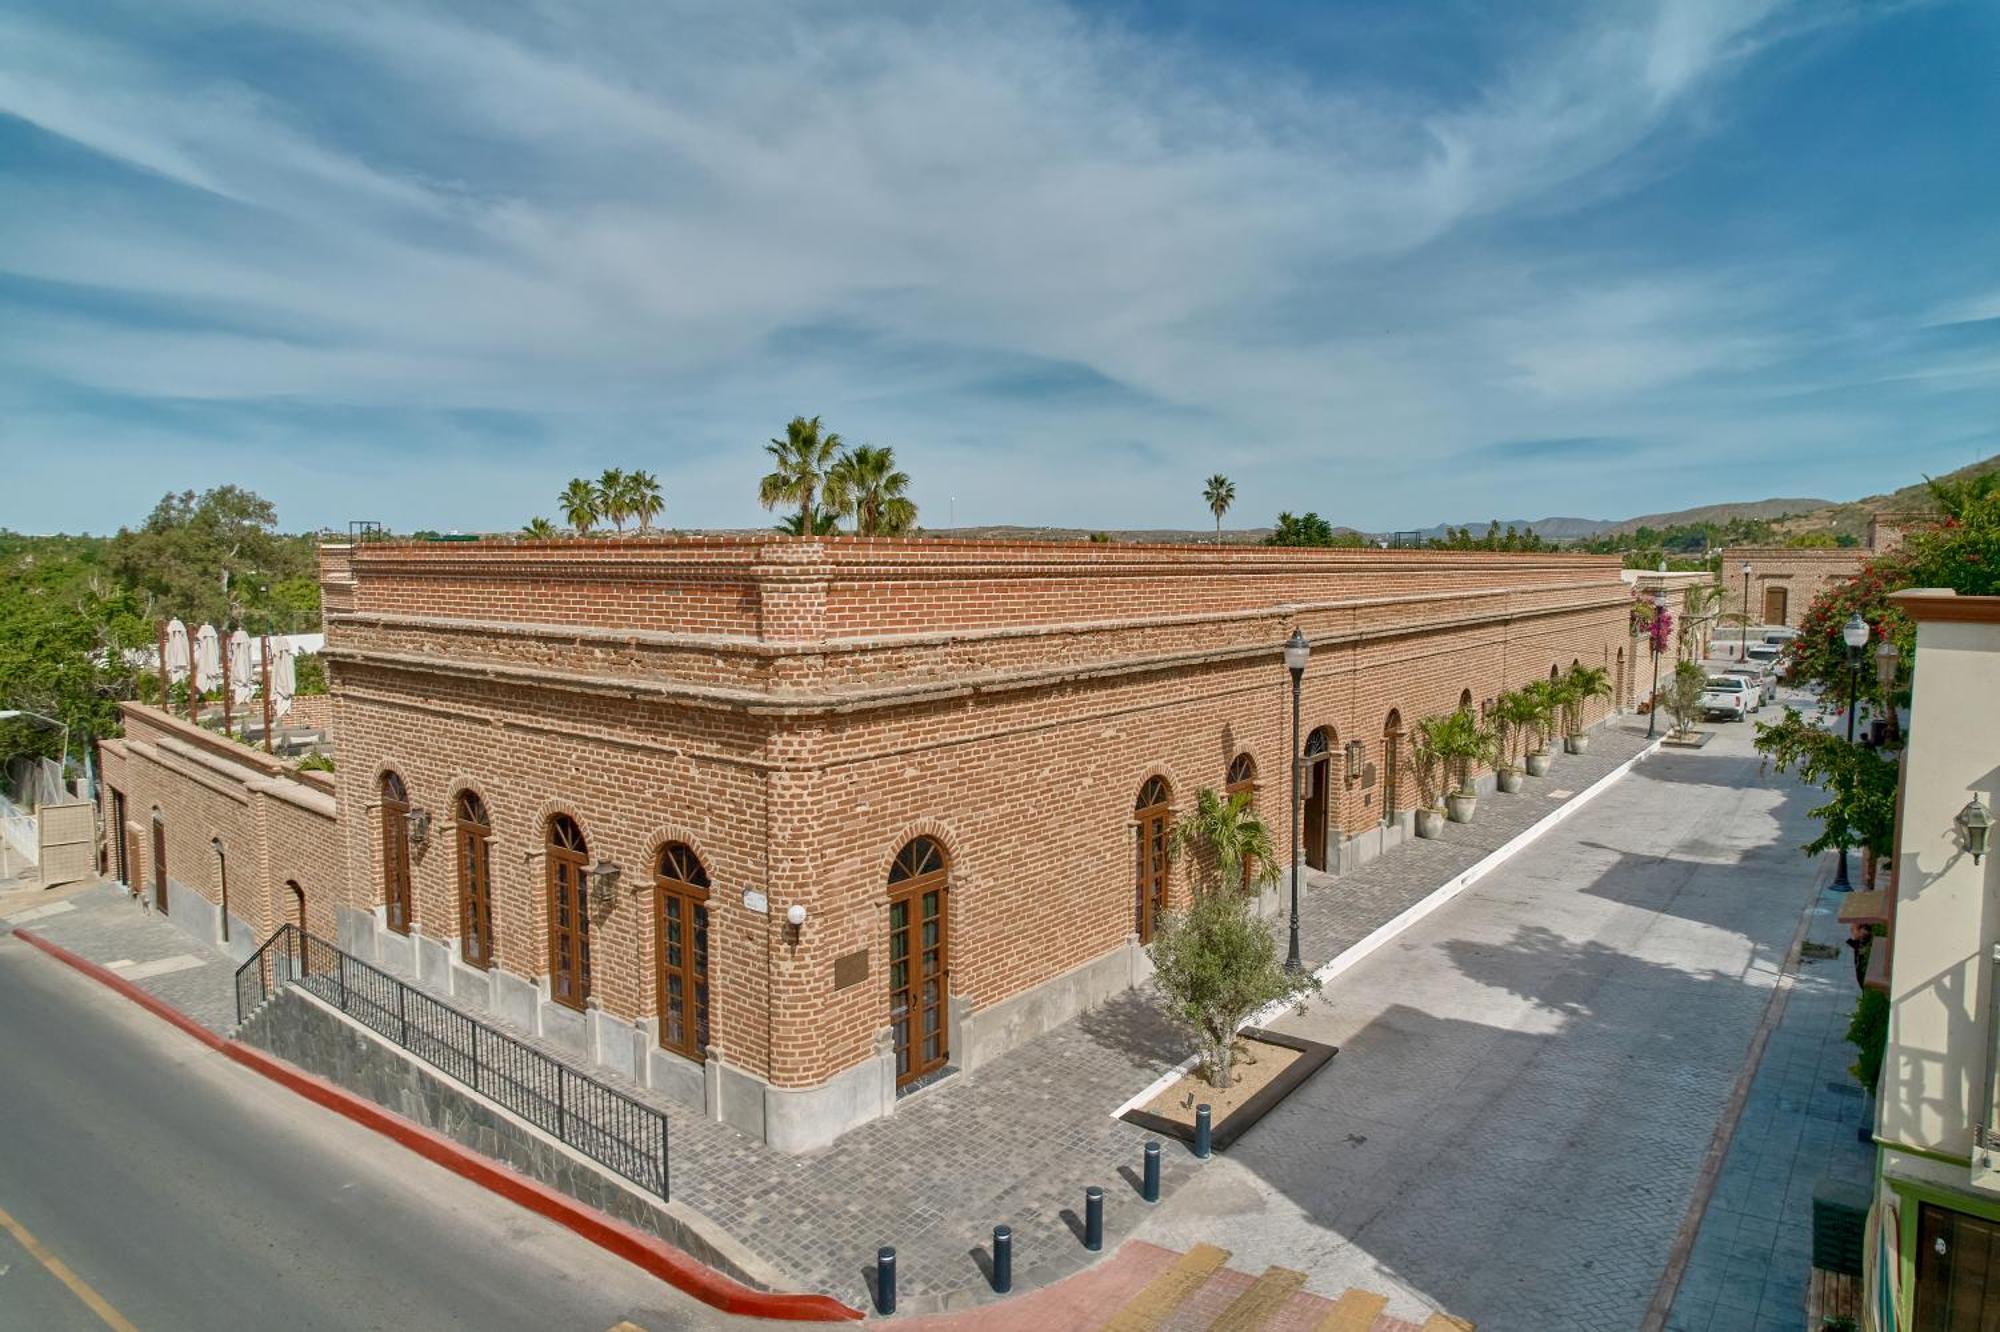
pixel 797 709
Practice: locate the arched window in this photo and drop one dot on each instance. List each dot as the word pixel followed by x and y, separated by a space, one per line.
pixel 1242 775
pixel 298 903
pixel 919 959
pixel 396 852
pixel 159 862
pixel 680 927
pixel 569 915
pixel 1392 764
pixel 1465 700
pixel 475 881
pixel 1154 813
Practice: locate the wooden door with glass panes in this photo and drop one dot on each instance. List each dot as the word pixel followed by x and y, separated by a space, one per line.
pixel 919 960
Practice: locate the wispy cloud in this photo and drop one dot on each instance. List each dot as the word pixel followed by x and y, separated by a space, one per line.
pixel 1064 263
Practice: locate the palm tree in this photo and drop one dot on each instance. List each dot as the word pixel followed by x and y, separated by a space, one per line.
pixel 1700 606
pixel 799 469
pixel 1224 831
pixel 539 528
pixel 1581 684
pixel 614 499
pixel 1516 713
pixel 644 498
pixel 1220 494
pixel 826 523
pixel 865 484
pixel 578 503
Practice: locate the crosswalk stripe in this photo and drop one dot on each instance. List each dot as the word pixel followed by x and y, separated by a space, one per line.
pixel 1163 1294
pixel 1354 1311
pixel 1256 1306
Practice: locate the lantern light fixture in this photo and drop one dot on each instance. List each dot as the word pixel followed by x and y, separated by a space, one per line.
pixel 1297 652
pixel 1855 632
pixel 1975 827
pixel 604 882
pixel 418 821
pixel 1885 664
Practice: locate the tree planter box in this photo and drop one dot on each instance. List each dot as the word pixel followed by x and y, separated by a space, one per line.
pixel 1309 1057
pixel 1692 740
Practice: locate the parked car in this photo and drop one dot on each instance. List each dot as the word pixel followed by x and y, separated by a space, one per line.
pixel 1727 697
pixel 1780 636
pixel 1762 687
pixel 1769 656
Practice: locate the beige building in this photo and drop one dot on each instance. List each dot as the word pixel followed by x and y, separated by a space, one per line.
pixel 1935 1259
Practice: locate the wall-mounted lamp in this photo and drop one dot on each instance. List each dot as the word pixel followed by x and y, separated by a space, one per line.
pixel 1357 759
pixel 1975 826
pixel 795 919
pixel 418 821
pixel 604 883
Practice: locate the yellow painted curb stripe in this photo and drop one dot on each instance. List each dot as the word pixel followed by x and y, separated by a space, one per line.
pixel 60 1270
pixel 1258 1305
pixel 1354 1311
pixel 1154 1304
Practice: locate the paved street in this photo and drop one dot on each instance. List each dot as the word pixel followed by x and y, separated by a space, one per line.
pixel 1529 1078
pixel 187 1192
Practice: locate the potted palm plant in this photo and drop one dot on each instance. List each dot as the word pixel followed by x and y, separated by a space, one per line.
pixel 1515 716
pixel 1580 686
pixel 1428 767
pixel 1459 741
pixel 1544 701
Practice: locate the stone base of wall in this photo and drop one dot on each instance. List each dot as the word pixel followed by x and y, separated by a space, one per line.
pixel 298 1028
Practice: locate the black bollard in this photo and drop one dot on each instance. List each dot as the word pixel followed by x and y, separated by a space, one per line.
pixel 1150 1189
pixel 1093 1218
pixel 1003 1259
pixel 885 1280
pixel 1201 1132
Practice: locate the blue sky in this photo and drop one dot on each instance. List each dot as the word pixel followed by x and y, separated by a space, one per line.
pixel 1398 263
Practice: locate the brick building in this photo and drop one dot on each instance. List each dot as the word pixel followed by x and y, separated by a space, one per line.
pixel 1783 581
pixel 790 829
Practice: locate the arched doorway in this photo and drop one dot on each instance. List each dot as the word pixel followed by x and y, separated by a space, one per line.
pixel 395 853
pixel 475 881
pixel 1392 764
pixel 680 931
pixel 569 914
pixel 221 862
pixel 1154 816
pixel 919 959
pixel 1620 697
pixel 159 862
pixel 298 903
pixel 1317 794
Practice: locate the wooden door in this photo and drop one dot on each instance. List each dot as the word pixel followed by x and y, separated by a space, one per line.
pixel 118 837
pixel 919 960
pixel 1775 606
pixel 395 853
pixel 1392 770
pixel 1317 797
pixel 680 931
pixel 475 882
pixel 1154 819
pixel 160 866
pixel 1958 1272
pixel 569 915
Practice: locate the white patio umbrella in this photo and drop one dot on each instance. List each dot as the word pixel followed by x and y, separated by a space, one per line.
pixel 177 651
pixel 284 678
pixel 242 680
pixel 207 658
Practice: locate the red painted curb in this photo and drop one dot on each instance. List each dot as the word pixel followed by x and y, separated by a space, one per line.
pixel 649 1252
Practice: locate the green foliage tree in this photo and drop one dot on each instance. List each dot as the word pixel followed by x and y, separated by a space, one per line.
pixel 540 528
pixel 1545 699
pixel 1215 963
pixel 1307 530
pixel 865 485
pixel 800 462
pixel 1456 741
pixel 1580 685
pixel 1219 493
pixel 1521 540
pixel 579 504
pixel 1859 782
pixel 825 523
pixel 215 557
pixel 71 640
pixel 1516 715
pixel 1682 696
pixel 1868 1032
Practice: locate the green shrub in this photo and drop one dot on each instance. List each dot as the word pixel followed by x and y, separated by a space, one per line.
pixel 1868 1031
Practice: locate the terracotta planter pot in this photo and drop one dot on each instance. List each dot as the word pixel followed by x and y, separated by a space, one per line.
pixel 1509 779
pixel 1459 806
pixel 1577 744
pixel 1430 823
pixel 1538 765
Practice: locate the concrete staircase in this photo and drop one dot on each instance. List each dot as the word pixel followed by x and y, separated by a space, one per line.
pixel 1199 1292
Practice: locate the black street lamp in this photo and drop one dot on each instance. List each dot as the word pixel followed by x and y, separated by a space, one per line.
pixel 1743 649
pixel 1297 653
pixel 1855 634
pixel 1653 638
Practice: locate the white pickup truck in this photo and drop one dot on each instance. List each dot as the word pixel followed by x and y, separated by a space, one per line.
pixel 1730 697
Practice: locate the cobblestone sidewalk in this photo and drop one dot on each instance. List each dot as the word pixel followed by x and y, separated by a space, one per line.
pixel 1753 1253
pixel 1016 1142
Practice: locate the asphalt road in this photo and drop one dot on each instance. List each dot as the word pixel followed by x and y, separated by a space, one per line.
pixel 187 1192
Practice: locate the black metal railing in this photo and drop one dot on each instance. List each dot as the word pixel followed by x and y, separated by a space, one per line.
pixel 600 1121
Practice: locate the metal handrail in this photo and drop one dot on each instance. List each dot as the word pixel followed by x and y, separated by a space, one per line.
pixel 598 1120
